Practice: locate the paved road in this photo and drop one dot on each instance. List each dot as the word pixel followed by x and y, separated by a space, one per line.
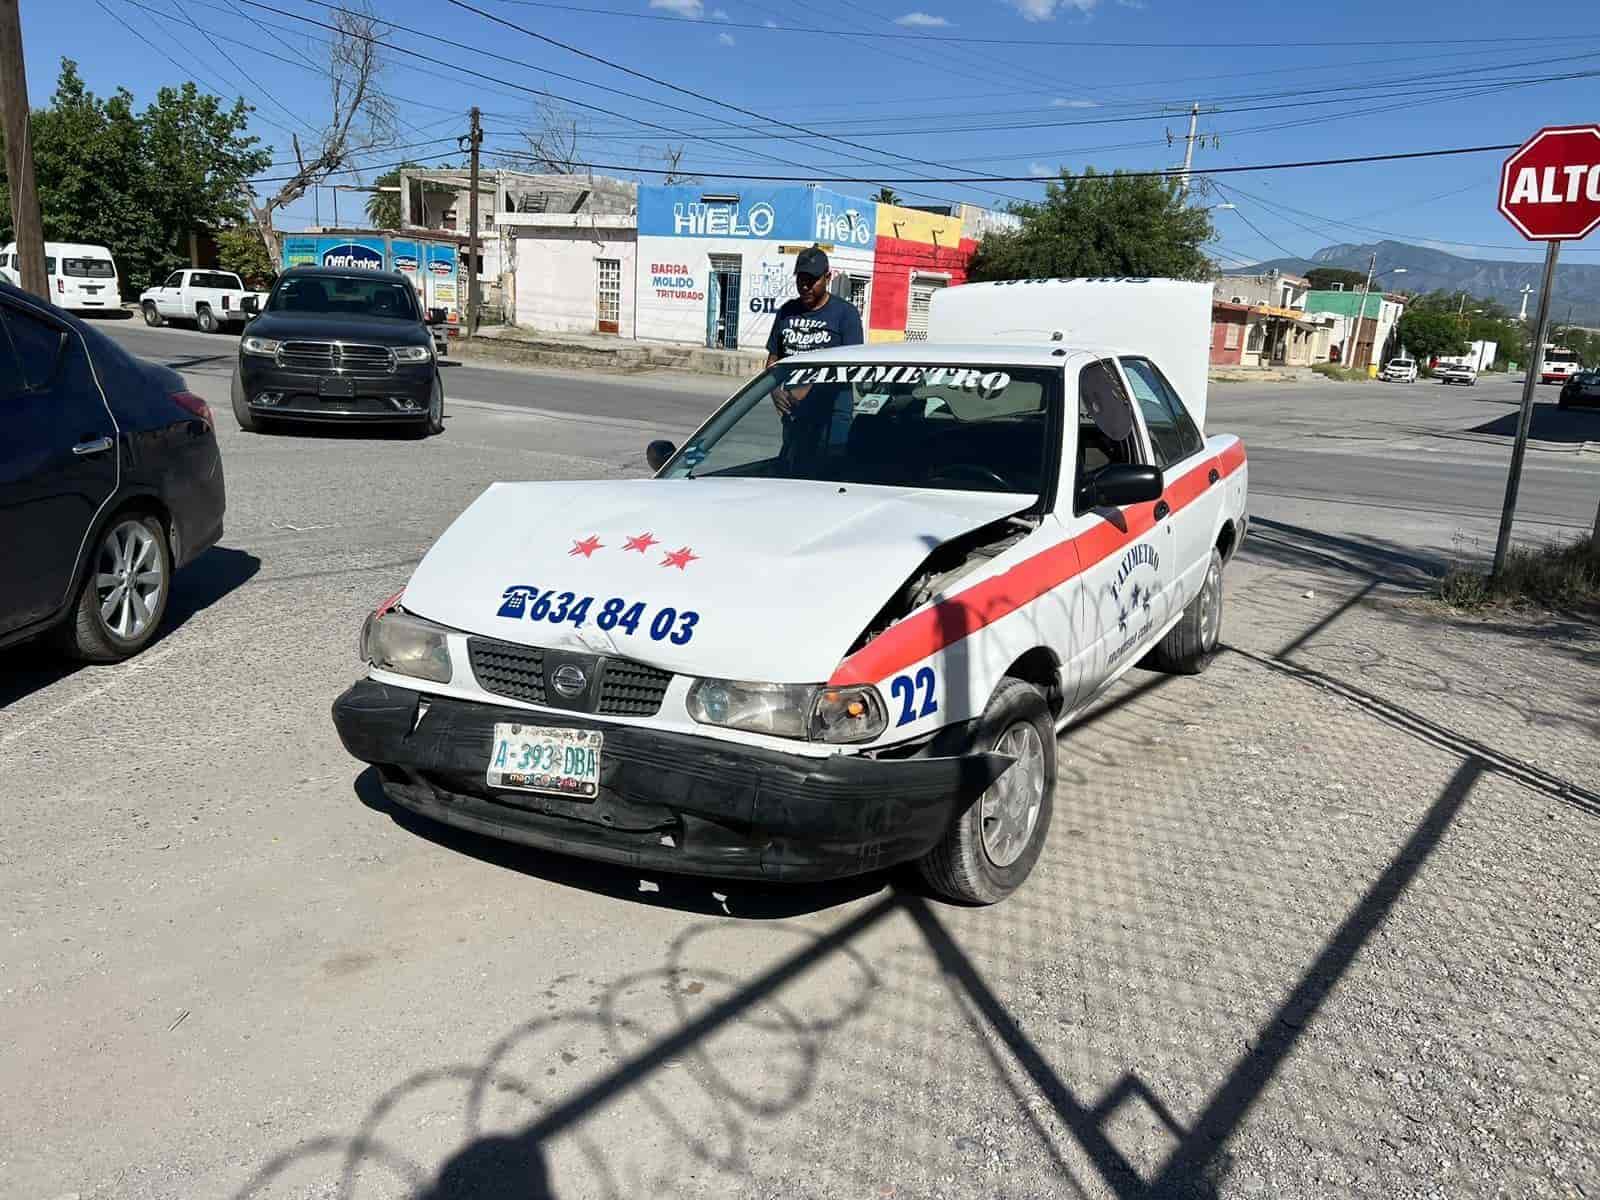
pixel 1422 463
pixel 1248 965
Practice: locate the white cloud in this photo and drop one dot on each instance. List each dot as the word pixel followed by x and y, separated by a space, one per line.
pixel 921 20
pixel 1132 4
pixel 1061 102
pixel 719 14
pixel 1045 10
pixel 1039 170
pixel 725 39
pixel 684 8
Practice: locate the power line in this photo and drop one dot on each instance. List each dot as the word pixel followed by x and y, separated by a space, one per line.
pixel 229 59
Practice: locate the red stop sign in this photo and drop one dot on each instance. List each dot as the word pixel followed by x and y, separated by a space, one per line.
pixel 1550 188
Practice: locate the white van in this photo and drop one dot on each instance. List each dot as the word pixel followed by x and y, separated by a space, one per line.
pixel 82 277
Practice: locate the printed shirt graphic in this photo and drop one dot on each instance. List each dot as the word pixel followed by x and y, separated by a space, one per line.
pixel 796 330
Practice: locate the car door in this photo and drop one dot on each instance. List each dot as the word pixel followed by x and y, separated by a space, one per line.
pixel 1193 482
pixel 169 300
pixel 1118 599
pixel 58 460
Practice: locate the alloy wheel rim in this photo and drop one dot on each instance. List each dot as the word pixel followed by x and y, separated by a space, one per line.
pixel 1009 809
pixel 1210 608
pixel 129 579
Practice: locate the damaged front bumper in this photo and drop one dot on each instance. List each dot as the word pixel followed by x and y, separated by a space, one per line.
pixel 669 801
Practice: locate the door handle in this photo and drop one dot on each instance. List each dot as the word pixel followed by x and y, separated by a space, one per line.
pixel 1163 510
pixel 97 445
pixel 1215 475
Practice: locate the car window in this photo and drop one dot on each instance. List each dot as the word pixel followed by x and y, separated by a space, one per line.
pixel 11 382
pixel 88 268
pixel 980 428
pixel 49 266
pixel 37 344
pixel 344 295
pixel 174 280
pixel 1173 433
pixel 1107 432
pixel 216 279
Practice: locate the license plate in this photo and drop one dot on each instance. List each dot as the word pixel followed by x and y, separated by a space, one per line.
pixel 90 288
pixel 557 762
pixel 336 388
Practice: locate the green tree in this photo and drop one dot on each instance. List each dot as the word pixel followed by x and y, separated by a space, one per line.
pixel 886 195
pixel 1094 224
pixel 139 183
pixel 1426 333
pixel 239 250
pixel 1323 278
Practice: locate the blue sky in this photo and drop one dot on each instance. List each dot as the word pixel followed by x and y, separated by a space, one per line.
pixel 1056 83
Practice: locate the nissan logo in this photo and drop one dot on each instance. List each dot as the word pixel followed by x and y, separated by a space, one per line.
pixel 569 681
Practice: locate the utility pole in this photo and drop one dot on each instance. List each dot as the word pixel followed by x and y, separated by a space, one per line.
pixel 476 140
pixel 1361 311
pixel 19 154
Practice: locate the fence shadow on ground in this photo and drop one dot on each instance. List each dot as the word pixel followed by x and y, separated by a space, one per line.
pixel 1549 424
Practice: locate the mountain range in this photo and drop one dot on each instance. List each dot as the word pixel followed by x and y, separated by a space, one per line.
pixel 1577 287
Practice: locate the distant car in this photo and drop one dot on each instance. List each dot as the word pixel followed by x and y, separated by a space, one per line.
pixel 1582 390
pixel 1457 373
pixel 211 299
pixel 110 479
pixel 81 277
pixel 340 345
pixel 1400 370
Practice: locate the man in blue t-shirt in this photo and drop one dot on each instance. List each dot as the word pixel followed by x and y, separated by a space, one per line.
pixel 814 320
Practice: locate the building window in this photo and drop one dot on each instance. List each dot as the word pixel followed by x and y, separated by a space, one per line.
pixel 920 302
pixel 858 292
pixel 608 294
pixel 1230 340
pixel 1258 334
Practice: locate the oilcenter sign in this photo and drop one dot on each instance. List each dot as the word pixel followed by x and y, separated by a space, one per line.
pixel 1550 188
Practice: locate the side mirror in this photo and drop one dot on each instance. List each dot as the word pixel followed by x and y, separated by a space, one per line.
pixel 251 305
pixel 657 453
pixel 437 316
pixel 1118 484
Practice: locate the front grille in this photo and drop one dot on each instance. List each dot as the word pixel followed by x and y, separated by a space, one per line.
pixel 630 689
pixel 507 669
pixel 347 357
pixel 627 689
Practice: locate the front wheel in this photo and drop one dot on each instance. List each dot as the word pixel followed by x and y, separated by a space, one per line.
pixel 124 595
pixel 1191 644
pixel 152 315
pixel 992 846
pixel 248 421
pixel 435 420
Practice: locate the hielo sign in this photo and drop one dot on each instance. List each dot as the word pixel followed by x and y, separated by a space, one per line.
pixel 1550 188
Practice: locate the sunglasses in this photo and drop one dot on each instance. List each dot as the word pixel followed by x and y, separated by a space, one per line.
pixel 806 281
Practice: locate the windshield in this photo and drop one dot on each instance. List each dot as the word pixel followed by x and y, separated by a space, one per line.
pixel 344 295
pixel 981 428
pixel 1561 356
pixel 88 268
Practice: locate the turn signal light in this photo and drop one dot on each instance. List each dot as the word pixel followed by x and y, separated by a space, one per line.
pixel 192 404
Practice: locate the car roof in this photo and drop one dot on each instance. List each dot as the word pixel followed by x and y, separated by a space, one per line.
pixel 955 354
pixel 343 273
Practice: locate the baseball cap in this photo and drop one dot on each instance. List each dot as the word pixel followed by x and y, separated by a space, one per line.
pixel 811 261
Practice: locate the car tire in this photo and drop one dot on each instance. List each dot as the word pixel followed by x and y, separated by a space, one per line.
pixel 434 422
pixel 135 607
pixel 247 420
pixel 152 315
pixel 992 845
pixel 206 320
pixel 1191 644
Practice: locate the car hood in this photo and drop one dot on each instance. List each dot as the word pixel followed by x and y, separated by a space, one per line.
pixel 382 331
pixel 782 574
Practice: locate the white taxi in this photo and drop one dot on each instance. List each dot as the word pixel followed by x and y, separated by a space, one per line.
pixel 844 623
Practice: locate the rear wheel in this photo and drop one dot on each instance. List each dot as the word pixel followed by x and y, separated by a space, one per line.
pixel 248 421
pixel 1191 644
pixel 207 320
pixel 124 595
pixel 152 315
pixel 992 846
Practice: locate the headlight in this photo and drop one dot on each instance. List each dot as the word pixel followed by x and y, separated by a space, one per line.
pixel 413 354
pixel 265 347
pixel 408 645
pixel 792 710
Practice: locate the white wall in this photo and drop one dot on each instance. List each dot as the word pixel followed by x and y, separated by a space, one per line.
pixel 676 311
pixel 556 277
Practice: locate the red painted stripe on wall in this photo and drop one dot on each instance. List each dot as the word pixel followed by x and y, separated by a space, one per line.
pixel 959 616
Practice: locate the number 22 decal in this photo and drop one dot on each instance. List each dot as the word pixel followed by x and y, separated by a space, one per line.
pixel 904 689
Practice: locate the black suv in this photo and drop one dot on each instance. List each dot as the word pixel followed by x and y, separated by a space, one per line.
pixel 339 346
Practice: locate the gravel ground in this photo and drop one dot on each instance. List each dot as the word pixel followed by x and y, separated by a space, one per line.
pixel 1320 922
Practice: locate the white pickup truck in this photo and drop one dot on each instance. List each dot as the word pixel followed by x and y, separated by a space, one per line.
pixel 843 625
pixel 211 299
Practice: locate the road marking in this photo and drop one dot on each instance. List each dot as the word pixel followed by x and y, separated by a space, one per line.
pixel 119 673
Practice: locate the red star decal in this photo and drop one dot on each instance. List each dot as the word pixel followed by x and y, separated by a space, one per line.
pixel 679 558
pixel 642 543
pixel 587 547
